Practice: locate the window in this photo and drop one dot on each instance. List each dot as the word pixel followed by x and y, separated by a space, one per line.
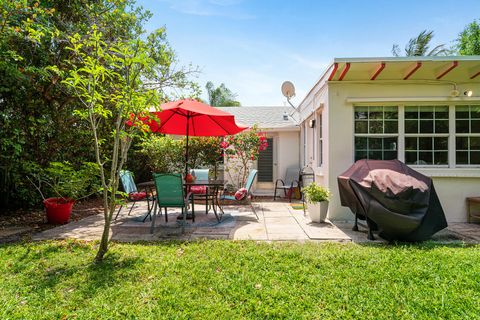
pixel 426 135
pixel 467 138
pixel 320 140
pixel 376 132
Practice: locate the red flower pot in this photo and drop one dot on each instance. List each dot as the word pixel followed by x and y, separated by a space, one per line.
pixel 58 210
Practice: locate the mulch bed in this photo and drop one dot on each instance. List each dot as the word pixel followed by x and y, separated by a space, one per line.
pixel 35 219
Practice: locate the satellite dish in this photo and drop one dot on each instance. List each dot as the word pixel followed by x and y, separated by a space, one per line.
pixel 288 89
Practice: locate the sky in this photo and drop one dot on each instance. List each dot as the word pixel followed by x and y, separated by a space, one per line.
pixel 254 45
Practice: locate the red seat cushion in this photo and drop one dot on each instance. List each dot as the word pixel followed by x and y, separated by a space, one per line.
pixel 240 194
pixel 198 189
pixel 136 196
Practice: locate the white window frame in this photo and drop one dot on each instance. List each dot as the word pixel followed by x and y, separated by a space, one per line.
pixel 427 135
pixel 378 135
pixel 469 135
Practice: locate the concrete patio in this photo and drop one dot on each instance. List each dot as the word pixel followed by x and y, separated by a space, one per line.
pixel 278 221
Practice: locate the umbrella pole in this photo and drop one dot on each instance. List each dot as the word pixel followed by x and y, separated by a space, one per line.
pixel 186 149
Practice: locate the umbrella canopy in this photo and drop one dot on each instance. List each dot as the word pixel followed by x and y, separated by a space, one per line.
pixel 399 201
pixel 192 118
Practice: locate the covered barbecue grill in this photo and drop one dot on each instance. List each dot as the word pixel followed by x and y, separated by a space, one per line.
pixel 394 199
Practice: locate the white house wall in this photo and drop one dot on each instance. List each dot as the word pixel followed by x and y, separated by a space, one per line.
pixel 453 185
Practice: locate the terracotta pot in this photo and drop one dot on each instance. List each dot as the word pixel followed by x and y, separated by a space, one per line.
pixel 58 210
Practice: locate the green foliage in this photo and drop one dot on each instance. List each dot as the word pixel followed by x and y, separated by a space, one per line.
pixel 166 154
pixel 315 193
pixel 240 151
pixel 61 179
pixel 221 96
pixel 163 154
pixel 420 46
pixel 36 115
pixel 468 42
pixel 209 279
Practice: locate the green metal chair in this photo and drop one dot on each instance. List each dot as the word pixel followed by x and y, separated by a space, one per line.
pixel 171 194
pixel 248 186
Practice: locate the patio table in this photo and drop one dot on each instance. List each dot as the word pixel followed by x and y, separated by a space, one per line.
pixel 213 185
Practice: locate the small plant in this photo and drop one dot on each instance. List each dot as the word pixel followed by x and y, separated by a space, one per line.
pixel 61 179
pixel 315 193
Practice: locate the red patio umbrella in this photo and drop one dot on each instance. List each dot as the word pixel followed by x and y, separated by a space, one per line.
pixel 189 117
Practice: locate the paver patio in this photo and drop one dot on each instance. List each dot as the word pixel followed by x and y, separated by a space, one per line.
pixel 278 221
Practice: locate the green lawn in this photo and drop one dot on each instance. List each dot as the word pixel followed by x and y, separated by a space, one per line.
pixel 231 280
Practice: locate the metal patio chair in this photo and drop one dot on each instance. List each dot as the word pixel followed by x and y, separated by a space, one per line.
pixel 171 194
pixel 248 186
pixel 130 188
pixel 289 184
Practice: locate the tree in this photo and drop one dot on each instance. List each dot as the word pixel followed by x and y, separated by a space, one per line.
pixel 36 113
pixel 240 152
pixel 420 46
pixel 221 96
pixel 468 42
pixel 116 81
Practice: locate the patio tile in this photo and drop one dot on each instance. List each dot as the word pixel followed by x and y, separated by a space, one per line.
pixel 249 231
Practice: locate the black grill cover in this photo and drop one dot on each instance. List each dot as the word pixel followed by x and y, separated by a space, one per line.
pixel 396 200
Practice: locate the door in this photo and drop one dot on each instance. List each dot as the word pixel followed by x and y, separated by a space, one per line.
pixel 265 163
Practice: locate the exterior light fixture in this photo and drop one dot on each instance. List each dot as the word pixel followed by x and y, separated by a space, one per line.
pixel 311 123
pixel 454 93
pixel 285 116
pixel 468 93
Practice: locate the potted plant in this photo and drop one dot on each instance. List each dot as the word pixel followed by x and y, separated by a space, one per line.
pixel 317 201
pixel 64 185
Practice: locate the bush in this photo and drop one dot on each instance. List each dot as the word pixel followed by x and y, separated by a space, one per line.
pixel 166 154
pixel 61 179
pixel 315 193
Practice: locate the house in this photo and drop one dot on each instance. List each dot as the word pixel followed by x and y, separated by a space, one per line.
pixel 283 136
pixel 424 111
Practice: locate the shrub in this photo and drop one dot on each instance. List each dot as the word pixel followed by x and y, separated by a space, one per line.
pixel 315 193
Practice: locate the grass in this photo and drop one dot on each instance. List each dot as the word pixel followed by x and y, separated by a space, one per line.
pixel 239 280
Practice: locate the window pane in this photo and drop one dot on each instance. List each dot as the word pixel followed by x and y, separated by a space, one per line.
pixel 390 143
pixel 361 127
pixel 375 155
pixel 475 143
pixel 441 158
pixel 426 112
pixel 375 112
pixel 440 143
pixel 475 157
pixel 375 143
pixel 461 112
pixel 411 126
pixel 391 126
pixel 441 126
pixel 441 112
pixel 475 112
pixel 360 155
pixel 375 126
pixel 360 143
pixel 425 143
pixel 462 143
pixel 361 113
pixel 462 126
pixel 390 155
pixel 410 157
pixel 425 158
pixel 411 113
pixel 411 144
pixel 475 126
pixel 462 157
pixel 391 113
pixel 426 126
